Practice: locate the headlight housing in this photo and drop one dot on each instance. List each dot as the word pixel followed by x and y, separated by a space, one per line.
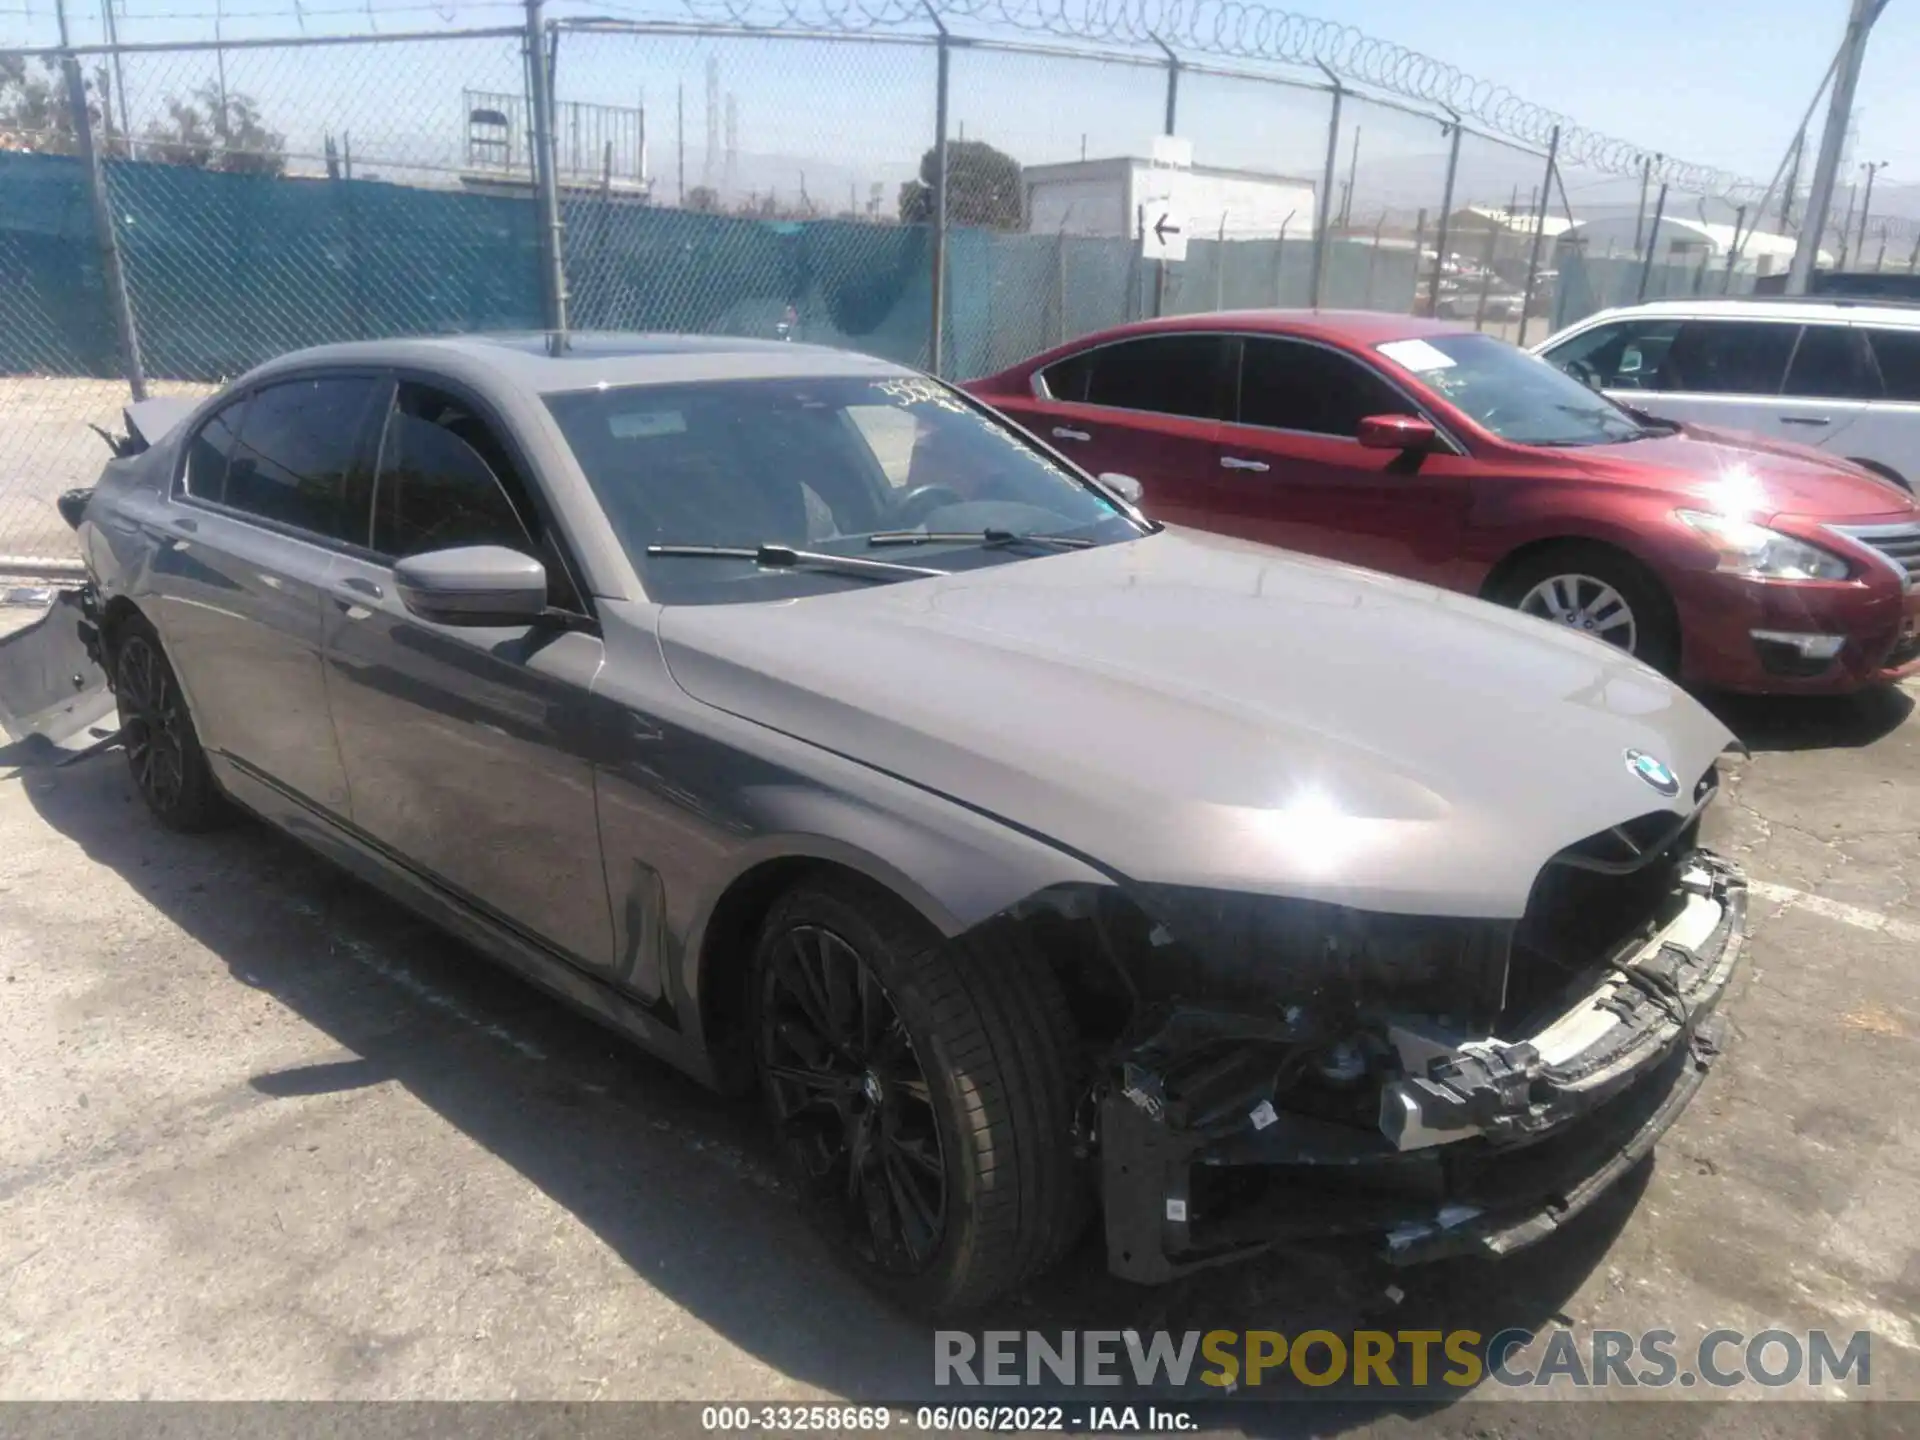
pixel 1762 554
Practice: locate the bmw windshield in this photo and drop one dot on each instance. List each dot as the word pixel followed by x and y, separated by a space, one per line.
pixel 1512 394
pixel 768 489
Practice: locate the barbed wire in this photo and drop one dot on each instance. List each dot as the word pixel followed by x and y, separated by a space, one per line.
pixel 1242 30
pixel 1238 29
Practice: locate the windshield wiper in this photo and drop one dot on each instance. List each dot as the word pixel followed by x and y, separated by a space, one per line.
pixel 989 538
pixel 785 557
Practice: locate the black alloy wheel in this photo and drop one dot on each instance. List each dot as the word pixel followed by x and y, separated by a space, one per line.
pixel 157 732
pixel 851 1098
pixel 923 1089
pixel 150 722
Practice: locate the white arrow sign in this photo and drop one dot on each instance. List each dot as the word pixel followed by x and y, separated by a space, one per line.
pixel 1165 234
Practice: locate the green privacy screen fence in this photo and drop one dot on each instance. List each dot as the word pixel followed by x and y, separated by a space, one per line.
pixel 227 270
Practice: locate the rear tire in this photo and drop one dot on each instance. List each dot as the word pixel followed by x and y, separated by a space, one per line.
pixel 1591 587
pixel 156 729
pixel 923 1091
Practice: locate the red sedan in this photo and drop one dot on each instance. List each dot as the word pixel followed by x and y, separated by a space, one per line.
pixel 1417 448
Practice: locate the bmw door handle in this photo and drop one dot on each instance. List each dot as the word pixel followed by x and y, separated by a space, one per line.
pixel 1061 432
pixel 1234 462
pixel 1805 420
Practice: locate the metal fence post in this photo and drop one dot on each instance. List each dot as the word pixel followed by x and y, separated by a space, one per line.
pixel 547 186
pixel 937 325
pixel 110 268
pixel 1323 219
pixel 1172 116
pixel 1446 213
pixel 1539 234
pixel 1653 242
pixel 1733 250
pixel 1640 215
pixel 1280 261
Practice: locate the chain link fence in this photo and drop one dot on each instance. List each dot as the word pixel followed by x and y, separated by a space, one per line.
pixel 266 195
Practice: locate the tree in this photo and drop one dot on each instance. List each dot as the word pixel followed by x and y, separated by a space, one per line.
pixel 35 115
pixel 983 188
pixel 216 131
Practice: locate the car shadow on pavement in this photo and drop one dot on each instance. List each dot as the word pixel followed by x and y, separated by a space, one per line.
pixel 684 1185
pixel 1812 722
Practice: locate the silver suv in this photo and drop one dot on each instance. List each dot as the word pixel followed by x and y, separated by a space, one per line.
pixel 1836 374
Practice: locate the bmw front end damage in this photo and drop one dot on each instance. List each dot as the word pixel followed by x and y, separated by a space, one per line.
pixel 1290 1069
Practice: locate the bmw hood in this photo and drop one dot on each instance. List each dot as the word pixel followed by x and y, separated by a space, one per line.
pixel 1188 709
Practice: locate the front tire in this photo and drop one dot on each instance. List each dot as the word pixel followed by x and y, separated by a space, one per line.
pixel 156 730
pixel 922 1091
pixel 1601 592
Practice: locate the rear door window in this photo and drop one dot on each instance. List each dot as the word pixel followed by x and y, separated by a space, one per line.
pixel 1729 357
pixel 300 457
pixel 1897 352
pixel 1184 375
pixel 1831 363
pixel 1288 385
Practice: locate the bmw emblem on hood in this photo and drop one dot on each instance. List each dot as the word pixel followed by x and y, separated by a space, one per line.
pixel 1653 772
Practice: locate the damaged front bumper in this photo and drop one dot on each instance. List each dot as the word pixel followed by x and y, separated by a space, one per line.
pixel 53 690
pixel 1481 1144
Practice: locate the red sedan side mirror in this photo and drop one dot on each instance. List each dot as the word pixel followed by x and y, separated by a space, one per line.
pixel 1406 433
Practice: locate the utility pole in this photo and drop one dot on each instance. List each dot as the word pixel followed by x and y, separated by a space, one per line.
pixel 1846 227
pixel 1872 167
pixel 680 146
pixel 1846 79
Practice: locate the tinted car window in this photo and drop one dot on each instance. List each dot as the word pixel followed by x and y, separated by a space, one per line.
pixel 1728 357
pixel 1626 355
pixel 1163 374
pixel 299 447
pixel 1830 363
pixel 811 463
pixel 1286 385
pixel 212 451
pixel 1898 355
pixel 435 490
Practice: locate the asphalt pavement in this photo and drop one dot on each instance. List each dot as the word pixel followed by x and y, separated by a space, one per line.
pixel 264 1135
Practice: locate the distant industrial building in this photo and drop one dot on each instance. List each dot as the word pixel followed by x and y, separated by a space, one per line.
pixel 1106 197
pixel 1680 242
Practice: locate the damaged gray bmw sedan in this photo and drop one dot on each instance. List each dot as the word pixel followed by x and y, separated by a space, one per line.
pixel 803 720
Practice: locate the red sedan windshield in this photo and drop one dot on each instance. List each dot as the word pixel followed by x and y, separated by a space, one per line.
pixel 1512 394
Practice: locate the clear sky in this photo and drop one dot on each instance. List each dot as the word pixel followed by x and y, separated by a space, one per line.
pixel 1723 82
pixel 1715 82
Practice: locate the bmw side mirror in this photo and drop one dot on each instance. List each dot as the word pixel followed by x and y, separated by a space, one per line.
pixel 473 585
pixel 1125 486
pixel 1408 434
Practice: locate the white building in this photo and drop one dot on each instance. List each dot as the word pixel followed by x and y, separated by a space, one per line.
pixel 1105 197
pixel 1680 242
